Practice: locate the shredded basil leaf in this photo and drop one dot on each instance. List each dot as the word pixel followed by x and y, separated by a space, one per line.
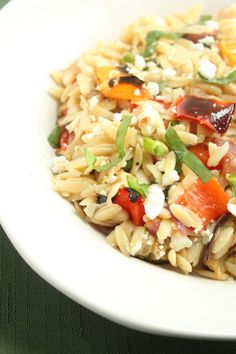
pixel 203 19
pixel 223 81
pixel 152 39
pixel 142 188
pixel 232 181
pixel 128 58
pixel 120 136
pixel 54 137
pixel 90 158
pixel 185 156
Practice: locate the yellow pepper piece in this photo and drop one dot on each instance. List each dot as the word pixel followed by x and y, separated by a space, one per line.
pixel 228 51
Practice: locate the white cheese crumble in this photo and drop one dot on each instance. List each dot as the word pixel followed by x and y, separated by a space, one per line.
pixel 208 40
pixel 139 62
pixel 154 202
pixel 170 177
pixel 199 46
pixel 59 164
pixel 93 101
pixel 112 179
pixel 160 21
pixel 213 25
pixel 169 72
pixel 153 88
pixel 207 69
pixel 117 117
pixel 134 121
pixel 137 92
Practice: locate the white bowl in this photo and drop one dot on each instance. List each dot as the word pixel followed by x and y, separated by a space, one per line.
pixel 37 37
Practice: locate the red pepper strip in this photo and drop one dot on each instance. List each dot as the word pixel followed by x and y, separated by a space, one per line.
pixel 201 151
pixel 214 114
pixel 166 105
pixel 132 202
pixel 207 200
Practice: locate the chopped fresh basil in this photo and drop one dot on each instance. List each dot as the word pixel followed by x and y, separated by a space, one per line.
pixel 203 19
pixel 90 158
pixel 223 81
pixel 142 188
pixel 128 58
pixel 120 136
pixel 155 147
pixel 54 137
pixel 232 181
pixel 185 156
pixel 152 39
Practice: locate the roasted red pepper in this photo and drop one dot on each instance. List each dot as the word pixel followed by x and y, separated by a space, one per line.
pixel 214 114
pixel 65 139
pixel 132 202
pixel 201 151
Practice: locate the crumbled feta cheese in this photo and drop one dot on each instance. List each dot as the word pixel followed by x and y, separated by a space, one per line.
pixel 153 88
pixel 199 46
pixel 207 69
pixel 169 72
pixel 59 164
pixel 179 242
pixel 154 202
pixel 208 40
pixel 117 117
pixel 151 65
pixel 213 25
pixel 231 206
pixel 139 62
pixel 134 121
pixel 93 101
pixel 137 92
pixel 170 177
pixel 160 21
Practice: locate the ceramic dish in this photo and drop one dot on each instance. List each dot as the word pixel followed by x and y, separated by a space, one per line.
pixel 38 37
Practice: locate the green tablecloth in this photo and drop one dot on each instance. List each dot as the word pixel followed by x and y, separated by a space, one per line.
pixel 35 318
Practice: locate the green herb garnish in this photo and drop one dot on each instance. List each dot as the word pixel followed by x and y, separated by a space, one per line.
pixel 152 39
pixel 203 19
pixel 128 58
pixel 223 81
pixel 128 165
pixel 232 181
pixel 120 136
pixel 185 156
pixel 90 158
pixel 155 147
pixel 54 137
pixel 142 188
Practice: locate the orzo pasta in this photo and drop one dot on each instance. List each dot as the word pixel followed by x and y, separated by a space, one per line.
pixel 145 140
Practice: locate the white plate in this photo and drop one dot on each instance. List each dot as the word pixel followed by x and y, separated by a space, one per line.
pixel 37 37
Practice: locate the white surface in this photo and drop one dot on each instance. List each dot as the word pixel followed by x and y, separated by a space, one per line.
pixel 36 37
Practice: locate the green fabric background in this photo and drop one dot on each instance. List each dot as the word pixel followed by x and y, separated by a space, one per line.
pixel 35 318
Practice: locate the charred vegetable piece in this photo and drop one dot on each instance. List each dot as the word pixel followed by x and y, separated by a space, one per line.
pixel 54 137
pixel 101 199
pixel 213 114
pixel 127 91
pixel 152 39
pixel 208 201
pixel 228 51
pixel 201 151
pixel 132 202
pixel 195 37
